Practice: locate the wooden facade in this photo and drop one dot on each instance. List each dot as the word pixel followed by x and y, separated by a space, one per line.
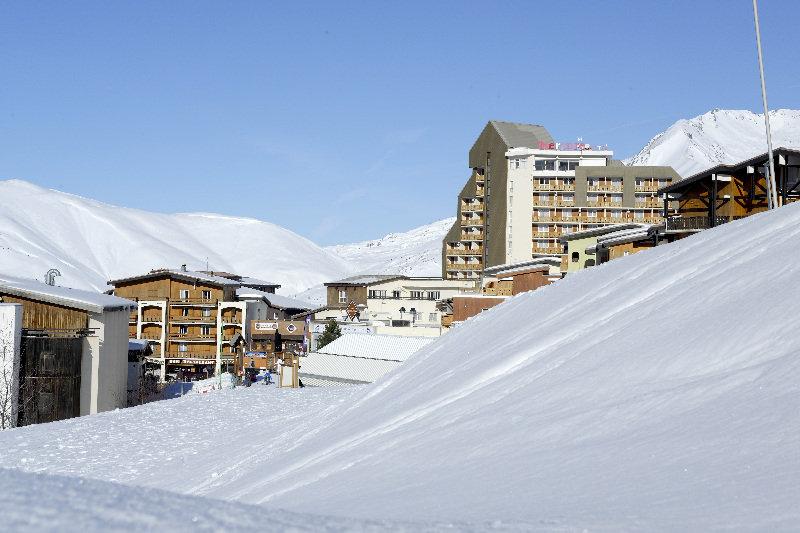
pixel 38 315
pixel 730 192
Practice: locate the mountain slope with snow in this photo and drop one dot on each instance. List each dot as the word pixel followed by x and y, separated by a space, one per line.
pixel 91 242
pixel 417 252
pixel 718 137
pixel 659 391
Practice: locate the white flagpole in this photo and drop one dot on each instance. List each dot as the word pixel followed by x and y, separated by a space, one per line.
pixel 772 192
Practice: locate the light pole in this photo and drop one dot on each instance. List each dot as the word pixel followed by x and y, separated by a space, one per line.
pixel 772 192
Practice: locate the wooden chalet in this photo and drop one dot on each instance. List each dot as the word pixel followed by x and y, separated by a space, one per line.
pixel 728 192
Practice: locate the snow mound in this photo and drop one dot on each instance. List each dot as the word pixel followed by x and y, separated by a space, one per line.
pixel 91 242
pixel 657 391
pixel 718 137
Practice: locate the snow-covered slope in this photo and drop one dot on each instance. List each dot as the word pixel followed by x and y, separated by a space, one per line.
pixel 417 252
pixel 91 242
pixel 659 391
pixel 719 136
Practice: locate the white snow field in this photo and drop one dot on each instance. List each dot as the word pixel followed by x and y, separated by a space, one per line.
pixel 660 391
pixel 719 136
pixel 91 242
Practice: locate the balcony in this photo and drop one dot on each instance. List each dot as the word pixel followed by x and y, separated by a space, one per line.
pixel 604 187
pixel 680 223
pixel 464 266
pixel 472 221
pixel 193 319
pixel 192 337
pixel 472 236
pixel 471 208
pixel 194 302
pixel 151 336
pixel 555 249
pixel 646 188
pixel 153 319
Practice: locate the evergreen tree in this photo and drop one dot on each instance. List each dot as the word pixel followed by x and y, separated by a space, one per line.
pixel 331 333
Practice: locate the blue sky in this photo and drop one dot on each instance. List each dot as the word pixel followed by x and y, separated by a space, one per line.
pixel 345 121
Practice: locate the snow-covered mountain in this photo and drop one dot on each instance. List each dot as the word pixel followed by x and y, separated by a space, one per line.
pixel 91 242
pixel 657 400
pixel 719 136
pixel 417 252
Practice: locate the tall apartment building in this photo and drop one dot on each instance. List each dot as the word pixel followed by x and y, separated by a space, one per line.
pixel 526 191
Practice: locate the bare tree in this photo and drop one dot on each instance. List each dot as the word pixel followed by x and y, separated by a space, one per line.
pixel 8 387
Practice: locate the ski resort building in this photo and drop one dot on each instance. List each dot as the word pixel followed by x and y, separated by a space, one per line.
pixel 190 318
pixel 73 350
pixel 395 304
pixel 526 191
pixel 728 192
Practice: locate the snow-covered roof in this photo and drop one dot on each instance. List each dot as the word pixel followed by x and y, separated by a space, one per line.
pixel 601 230
pixel 523 266
pixel 344 369
pixel 388 347
pixel 248 281
pixel 366 279
pixel 190 275
pixel 275 300
pixel 94 302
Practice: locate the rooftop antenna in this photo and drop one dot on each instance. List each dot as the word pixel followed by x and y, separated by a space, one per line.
pixel 50 276
pixel 772 194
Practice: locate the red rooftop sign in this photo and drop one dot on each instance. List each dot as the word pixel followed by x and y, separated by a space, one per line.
pixel 569 146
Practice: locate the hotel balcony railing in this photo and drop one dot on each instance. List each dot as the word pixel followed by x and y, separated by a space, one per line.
pixel 646 188
pixel 604 187
pixel 476 236
pixel 471 207
pixel 548 250
pixel 564 203
pixel 680 223
pixel 194 301
pixel 232 320
pixel 193 336
pixel 464 251
pixel 601 203
pixel 151 318
pixel 194 319
pixel 557 186
pixel 477 221
pixel 464 266
pixel 151 336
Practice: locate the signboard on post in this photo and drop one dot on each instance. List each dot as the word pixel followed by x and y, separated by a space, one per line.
pixel 352 311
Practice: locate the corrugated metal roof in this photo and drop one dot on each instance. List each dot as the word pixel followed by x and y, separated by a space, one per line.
pixel 515 134
pixel 95 302
pixel 341 369
pixel 389 347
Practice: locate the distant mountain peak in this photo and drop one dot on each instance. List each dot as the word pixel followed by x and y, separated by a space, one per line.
pixel 716 137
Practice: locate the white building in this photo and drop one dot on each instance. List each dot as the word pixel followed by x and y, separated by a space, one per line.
pixel 395 305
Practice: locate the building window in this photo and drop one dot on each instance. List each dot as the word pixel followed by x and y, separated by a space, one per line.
pixel 205 330
pixel 591 213
pixel 566 213
pixel 183 294
pixel 567 165
pixel 433 295
pixel 591 197
pixel 183 348
pixel 575 257
pixel 546 164
pixel 544 228
pixel 376 294
pixel 342 296
pixel 432 317
pixel 417 295
pixel 185 311
pixel 616 213
pixel 542 244
pixel 206 295
pixel 206 312
pixel 183 330
pixel 544 199
pixel 638 215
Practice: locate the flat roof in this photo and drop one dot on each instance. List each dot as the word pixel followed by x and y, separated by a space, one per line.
pixel 366 279
pixel 601 230
pixel 94 302
pixel 523 266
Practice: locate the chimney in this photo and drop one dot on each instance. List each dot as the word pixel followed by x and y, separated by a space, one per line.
pixel 183 267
